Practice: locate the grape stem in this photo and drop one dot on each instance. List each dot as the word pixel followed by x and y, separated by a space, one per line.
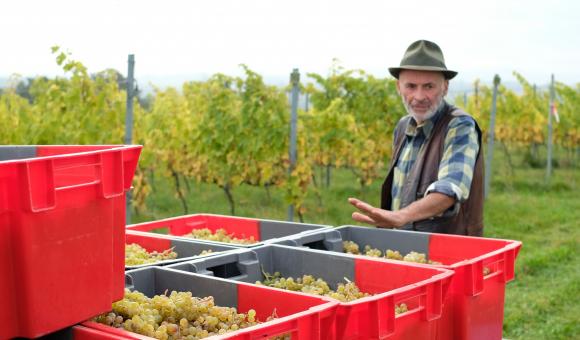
pixel 266 275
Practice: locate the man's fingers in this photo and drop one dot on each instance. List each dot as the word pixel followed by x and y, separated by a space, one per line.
pixel 362 218
pixel 354 201
pixel 362 206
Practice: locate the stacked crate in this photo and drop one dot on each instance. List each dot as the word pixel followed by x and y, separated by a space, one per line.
pixel 62 219
pixel 474 307
pixel 62 244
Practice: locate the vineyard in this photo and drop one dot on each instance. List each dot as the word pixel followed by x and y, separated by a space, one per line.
pixel 232 131
pixel 221 146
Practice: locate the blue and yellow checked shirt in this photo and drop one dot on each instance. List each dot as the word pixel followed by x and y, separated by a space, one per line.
pixel 456 166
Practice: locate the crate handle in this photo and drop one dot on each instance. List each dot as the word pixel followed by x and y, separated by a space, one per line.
pixel 109 174
pixel 505 271
pixel 129 282
pixel 112 174
pixel 235 266
pixel 384 312
pixel 326 240
pixel 430 298
pixel 40 184
pixel 433 300
pixel 509 259
pixel 474 278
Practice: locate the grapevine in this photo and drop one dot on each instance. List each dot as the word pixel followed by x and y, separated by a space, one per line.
pixel 229 131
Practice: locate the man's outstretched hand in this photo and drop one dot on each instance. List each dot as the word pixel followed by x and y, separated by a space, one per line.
pixel 376 216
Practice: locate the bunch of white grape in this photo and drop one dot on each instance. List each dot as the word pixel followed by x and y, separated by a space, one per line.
pixel 136 255
pixel 311 285
pixel 344 292
pixel 352 247
pixel 207 252
pixel 220 235
pixel 402 308
pixel 177 316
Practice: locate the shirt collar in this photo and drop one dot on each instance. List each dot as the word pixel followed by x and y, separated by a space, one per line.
pixel 427 126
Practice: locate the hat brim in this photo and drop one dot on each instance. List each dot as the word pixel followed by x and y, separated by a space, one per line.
pixel 448 74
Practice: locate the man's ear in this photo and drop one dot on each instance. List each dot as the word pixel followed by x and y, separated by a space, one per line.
pixel 445 87
pixel 398 87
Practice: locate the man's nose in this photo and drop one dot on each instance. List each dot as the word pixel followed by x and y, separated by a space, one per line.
pixel 419 95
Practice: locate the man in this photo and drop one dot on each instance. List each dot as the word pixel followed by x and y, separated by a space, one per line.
pixel 435 179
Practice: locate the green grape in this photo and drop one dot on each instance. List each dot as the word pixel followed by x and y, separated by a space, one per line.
pixel 486 271
pixel 353 248
pixel 402 308
pixel 177 316
pixel 207 252
pixel 220 235
pixel 137 255
pixel 393 255
pixel 415 257
pixel 308 284
pixel 369 251
pixel 251 315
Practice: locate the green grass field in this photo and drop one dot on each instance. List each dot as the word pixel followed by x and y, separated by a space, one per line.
pixel 542 301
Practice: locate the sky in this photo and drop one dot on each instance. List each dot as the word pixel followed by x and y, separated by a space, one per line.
pixel 194 39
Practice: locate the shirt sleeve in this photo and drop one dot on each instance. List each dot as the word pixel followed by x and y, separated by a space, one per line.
pixel 460 151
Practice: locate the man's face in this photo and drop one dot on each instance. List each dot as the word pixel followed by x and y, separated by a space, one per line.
pixel 422 92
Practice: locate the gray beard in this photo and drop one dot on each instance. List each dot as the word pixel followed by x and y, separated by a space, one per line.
pixel 427 115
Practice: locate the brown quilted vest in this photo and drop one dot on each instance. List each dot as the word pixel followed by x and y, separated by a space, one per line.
pixel 469 218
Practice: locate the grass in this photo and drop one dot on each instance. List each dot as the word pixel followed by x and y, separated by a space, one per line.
pixel 542 301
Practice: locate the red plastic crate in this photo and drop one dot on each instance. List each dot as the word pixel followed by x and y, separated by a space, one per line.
pixel 62 218
pixel 300 315
pixel 241 227
pixel 393 282
pixel 474 306
pixel 84 333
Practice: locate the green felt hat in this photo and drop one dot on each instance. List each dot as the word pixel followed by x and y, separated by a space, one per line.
pixel 423 55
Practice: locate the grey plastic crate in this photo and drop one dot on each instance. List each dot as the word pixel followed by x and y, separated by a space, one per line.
pixel 186 249
pixel 401 240
pixel 12 152
pixel 298 315
pixel 392 282
pixel 272 229
pixel 472 289
pixel 156 281
pixel 328 239
pixel 248 265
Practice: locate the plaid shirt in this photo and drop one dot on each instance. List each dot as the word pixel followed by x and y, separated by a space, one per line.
pixel 456 166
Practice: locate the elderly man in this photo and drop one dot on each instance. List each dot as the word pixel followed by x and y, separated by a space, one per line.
pixel 435 178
